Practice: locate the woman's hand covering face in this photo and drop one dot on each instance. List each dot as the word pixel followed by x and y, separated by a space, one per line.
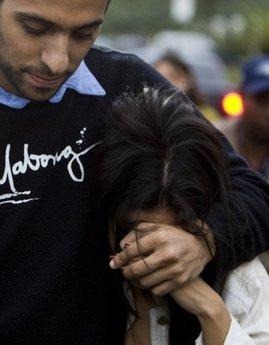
pixel 161 257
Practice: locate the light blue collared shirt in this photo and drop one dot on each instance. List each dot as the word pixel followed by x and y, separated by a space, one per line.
pixel 82 81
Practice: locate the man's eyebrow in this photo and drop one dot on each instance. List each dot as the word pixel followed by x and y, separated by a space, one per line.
pixel 36 18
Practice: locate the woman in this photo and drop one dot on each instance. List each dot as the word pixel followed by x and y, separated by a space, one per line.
pixel 162 165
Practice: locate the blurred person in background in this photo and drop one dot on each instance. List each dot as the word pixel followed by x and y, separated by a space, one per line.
pixel 180 74
pixel 250 133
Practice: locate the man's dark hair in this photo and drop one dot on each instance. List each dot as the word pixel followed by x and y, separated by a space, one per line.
pixel 158 153
pixel 108 2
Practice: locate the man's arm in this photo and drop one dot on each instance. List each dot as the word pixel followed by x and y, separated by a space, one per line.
pixel 250 206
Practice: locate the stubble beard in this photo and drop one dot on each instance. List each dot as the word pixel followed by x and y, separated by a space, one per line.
pixel 15 78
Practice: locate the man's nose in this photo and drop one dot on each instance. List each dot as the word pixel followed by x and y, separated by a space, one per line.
pixel 55 55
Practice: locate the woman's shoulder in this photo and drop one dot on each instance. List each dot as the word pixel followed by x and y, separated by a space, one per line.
pixel 248 275
pixel 249 269
pixel 245 286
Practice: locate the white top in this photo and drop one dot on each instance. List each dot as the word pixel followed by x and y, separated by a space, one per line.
pixel 246 295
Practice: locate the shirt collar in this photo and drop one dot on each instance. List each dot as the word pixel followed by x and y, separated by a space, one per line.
pixel 82 81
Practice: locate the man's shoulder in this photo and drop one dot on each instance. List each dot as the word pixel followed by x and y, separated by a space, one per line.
pixel 102 54
pixel 108 53
pixel 118 71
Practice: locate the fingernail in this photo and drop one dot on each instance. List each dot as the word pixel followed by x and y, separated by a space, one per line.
pixel 112 264
pixel 124 245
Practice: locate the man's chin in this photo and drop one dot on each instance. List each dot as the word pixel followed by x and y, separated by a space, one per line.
pixel 42 95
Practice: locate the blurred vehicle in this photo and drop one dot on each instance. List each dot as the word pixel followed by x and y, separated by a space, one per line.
pixel 196 49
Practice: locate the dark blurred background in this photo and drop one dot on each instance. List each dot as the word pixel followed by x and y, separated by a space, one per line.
pixel 238 27
pixel 213 37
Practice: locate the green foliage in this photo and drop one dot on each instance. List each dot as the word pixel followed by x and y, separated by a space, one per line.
pixel 137 16
pixel 149 16
pixel 256 35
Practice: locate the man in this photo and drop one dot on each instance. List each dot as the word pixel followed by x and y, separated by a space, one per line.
pixel 56 284
pixel 249 134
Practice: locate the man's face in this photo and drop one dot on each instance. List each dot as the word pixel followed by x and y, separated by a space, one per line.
pixel 42 42
pixel 257 116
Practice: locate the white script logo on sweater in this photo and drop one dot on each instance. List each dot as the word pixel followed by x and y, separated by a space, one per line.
pixel 34 162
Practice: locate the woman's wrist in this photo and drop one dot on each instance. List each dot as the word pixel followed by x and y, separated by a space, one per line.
pixel 212 308
pixel 215 322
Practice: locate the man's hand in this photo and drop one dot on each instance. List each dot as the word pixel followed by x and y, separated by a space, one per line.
pixel 163 258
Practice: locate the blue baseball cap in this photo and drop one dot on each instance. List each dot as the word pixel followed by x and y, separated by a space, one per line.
pixel 256 75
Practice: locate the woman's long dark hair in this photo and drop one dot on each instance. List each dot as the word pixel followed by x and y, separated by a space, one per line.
pixel 157 153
